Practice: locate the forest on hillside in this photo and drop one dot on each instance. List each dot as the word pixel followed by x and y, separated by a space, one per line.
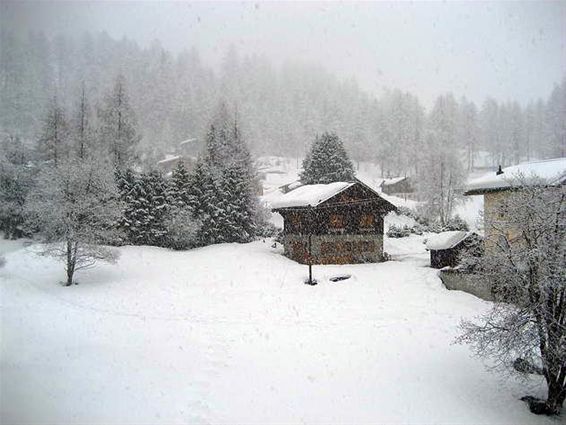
pixel 281 108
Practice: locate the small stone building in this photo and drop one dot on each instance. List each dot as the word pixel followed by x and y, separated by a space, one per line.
pixel 446 247
pixel 335 223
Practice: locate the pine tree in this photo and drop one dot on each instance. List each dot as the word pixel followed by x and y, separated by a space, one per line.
pixel 180 223
pixel 118 125
pixel 146 208
pixel 126 181
pixel 327 162
pixel 157 210
pixel 178 190
pixel 222 186
pixel 16 180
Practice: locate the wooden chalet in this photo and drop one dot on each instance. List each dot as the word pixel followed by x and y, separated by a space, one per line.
pixel 397 186
pixel 335 223
pixel 446 247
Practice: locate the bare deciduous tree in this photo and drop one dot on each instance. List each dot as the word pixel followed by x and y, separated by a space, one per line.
pixel 524 262
pixel 74 207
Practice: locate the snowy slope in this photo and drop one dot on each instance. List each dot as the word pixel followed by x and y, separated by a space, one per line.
pixel 229 334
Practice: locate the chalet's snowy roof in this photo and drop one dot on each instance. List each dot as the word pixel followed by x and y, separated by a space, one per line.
pixel 446 240
pixel 393 180
pixel 169 158
pixel 310 195
pixel 186 142
pixel 553 171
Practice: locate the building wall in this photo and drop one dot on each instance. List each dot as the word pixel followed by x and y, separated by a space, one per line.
pixel 467 282
pixel 495 221
pixel 335 249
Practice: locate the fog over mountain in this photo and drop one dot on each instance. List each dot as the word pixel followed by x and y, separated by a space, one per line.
pixel 508 51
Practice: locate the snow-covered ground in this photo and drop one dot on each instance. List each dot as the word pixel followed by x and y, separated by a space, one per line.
pixel 230 334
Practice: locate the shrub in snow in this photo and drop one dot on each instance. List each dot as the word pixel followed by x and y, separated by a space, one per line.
pixel 182 229
pixel 524 263
pixel 456 223
pixel 395 231
pixel 398 231
pixel 2 261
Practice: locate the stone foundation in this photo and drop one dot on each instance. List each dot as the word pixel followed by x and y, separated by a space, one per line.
pixel 335 249
pixel 467 282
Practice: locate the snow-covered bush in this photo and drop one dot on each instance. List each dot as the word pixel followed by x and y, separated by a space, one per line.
pixel 456 223
pixel 182 229
pixel 398 231
pixel 2 261
pixel 404 231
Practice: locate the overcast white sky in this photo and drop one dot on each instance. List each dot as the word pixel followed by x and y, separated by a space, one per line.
pixel 512 50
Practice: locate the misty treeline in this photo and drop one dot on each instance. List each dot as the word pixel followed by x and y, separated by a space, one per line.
pixel 79 187
pixel 282 108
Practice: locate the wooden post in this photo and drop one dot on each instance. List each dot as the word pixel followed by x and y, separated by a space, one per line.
pixel 310 259
pixel 310 224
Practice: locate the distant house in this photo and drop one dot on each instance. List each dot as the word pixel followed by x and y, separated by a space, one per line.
pixel 286 188
pixel 446 247
pixel 335 223
pixel 168 164
pixel 497 186
pixel 397 186
pixel 184 151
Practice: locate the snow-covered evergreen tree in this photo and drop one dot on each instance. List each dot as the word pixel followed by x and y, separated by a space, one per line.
pixel 129 190
pixel 222 186
pixel 74 207
pixel 202 200
pixel 118 125
pixel 157 209
pixel 16 180
pixel 146 207
pixel 178 191
pixel 327 161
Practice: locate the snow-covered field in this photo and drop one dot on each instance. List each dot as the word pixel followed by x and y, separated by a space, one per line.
pixel 230 334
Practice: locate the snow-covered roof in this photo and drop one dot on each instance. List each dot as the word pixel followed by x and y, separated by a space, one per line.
pixel 310 195
pixel 446 240
pixel 292 185
pixel 393 180
pixel 169 158
pixel 186 142
pixel 553 171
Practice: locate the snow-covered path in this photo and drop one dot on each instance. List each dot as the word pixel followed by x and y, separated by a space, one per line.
pixel 229 334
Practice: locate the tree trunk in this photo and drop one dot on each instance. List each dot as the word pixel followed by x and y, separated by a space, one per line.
pixel 71 261
pixel 555 399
